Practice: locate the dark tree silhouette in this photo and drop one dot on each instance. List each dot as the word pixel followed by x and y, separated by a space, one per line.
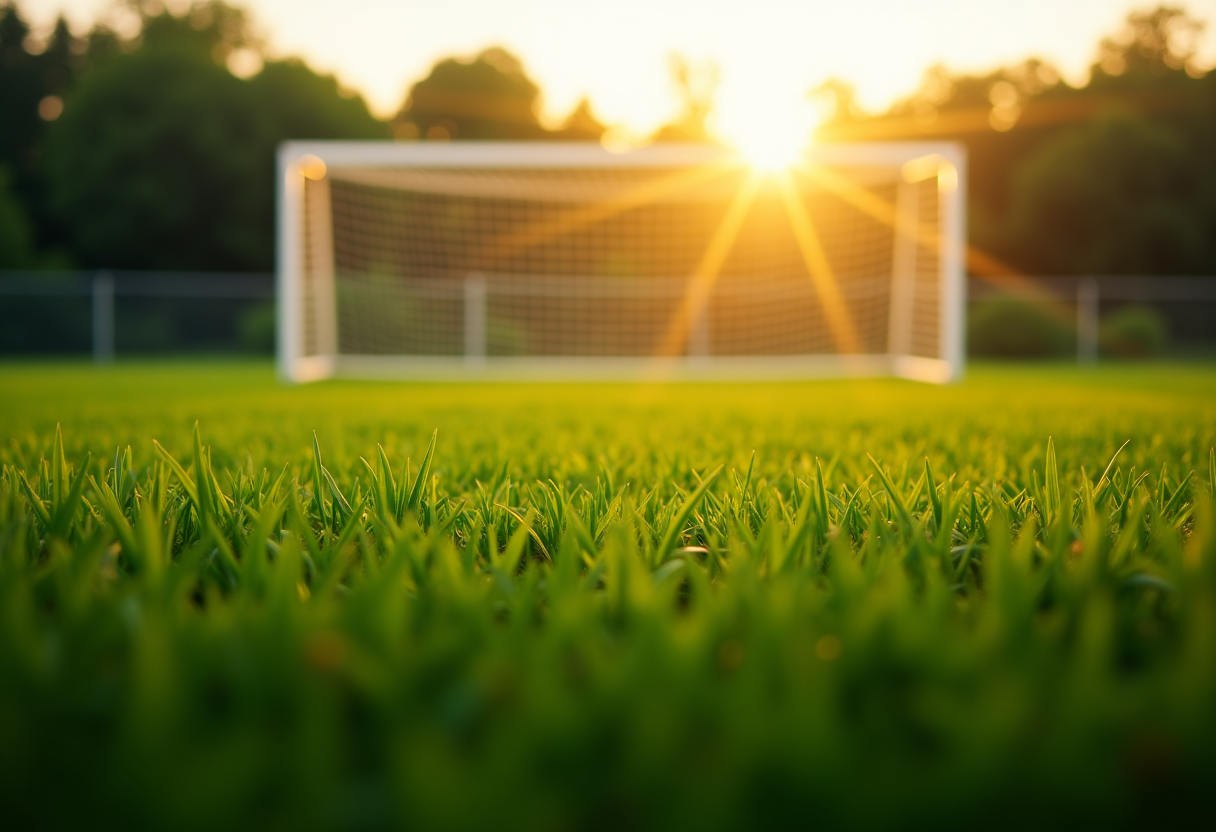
pixel 1115 176
pixel 164 159
pixel 695 86
pixel 148 151
pixel 33 86
pixel 581 124
pixel 1118 196
pixel 488 97
pixel 16 234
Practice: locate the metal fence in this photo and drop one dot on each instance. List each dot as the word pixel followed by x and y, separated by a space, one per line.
pixel 213 301
pixel 1188 303
pixel 218 299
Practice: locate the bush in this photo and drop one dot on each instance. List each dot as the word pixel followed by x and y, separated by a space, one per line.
pixel 1015 328
pixel 1134 332
pixel 16 236
pixel 256 328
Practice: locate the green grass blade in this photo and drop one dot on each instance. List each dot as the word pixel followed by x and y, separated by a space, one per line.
pixel 905 516
pixel 318 483
pixel 1051 477
pixel 676 525
pixel 424 471
pixel 934 499
pixel 187 482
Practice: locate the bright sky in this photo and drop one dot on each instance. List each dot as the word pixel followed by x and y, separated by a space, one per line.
pixel 769 52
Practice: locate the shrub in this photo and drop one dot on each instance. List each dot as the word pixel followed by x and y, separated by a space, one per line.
pixel 256 328
pixel 1134 332
pixel 1014 328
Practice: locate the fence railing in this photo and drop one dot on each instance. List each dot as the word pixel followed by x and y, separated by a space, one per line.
pixel 1087 294
pixel 103 288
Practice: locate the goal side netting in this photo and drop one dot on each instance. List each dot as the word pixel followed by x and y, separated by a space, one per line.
pixel 430 260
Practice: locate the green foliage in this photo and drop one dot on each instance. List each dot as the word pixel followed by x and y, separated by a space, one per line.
pixel 488 97
pixel 1119 196
pixel 1134 331
pixel 146 151
pixel 1114 176
pixel 32 88
pixel 150 164
pixel 1111 177
pixel 256 328
pixel 16 235
pixel 164 159
pixel 1010 327
pixel 211 29
pixel 297 103
pixel 591 606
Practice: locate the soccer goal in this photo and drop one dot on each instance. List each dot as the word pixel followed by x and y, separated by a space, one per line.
pixel 567 261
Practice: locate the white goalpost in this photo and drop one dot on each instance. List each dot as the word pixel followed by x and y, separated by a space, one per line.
pixel 515 260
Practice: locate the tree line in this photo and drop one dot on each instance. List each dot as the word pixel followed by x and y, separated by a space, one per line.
pixel 1117 176
pixel 156 150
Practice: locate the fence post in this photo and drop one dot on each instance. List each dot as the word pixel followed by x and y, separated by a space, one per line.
pixel 103 317
pixel 474 320
pixel 1087 321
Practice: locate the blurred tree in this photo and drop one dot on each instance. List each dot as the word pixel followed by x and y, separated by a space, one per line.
pixel 34 78
pixel 978 110
pixel 208 28
pixel 1121 195
pixel 298 103
pixel 153 165
pixel 695 85
pixel 16 235
pixel 839 98
pixel 488 97
pixel 1133 188
pixel 1009 119
pixel 164 159
pixel 20 92
pixel 1155 42
pixel 581 124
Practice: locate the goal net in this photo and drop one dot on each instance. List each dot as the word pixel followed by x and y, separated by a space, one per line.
pixel 568 261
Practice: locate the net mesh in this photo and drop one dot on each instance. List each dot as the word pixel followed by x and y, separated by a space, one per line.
pixel 609 263
pixel 926 297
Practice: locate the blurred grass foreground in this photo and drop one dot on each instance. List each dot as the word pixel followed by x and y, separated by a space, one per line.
pixel 851 604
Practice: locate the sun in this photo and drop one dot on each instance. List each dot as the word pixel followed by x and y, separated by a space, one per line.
pixel 772 140
pixel 772 152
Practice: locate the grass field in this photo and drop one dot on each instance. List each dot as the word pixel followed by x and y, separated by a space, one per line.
pixel 862 604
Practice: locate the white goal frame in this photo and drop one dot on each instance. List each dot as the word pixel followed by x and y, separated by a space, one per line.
pixel 918 162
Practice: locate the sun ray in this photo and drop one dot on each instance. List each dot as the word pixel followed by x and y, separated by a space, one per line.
pixel 979 263
pixel 693 309
pixel 875 206
pixel 537 233
pixel 818 268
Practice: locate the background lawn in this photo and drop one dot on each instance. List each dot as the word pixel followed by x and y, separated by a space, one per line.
pixel 595 607
pixel 999 413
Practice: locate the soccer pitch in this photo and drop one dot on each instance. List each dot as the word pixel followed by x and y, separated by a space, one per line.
pixel 857 603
